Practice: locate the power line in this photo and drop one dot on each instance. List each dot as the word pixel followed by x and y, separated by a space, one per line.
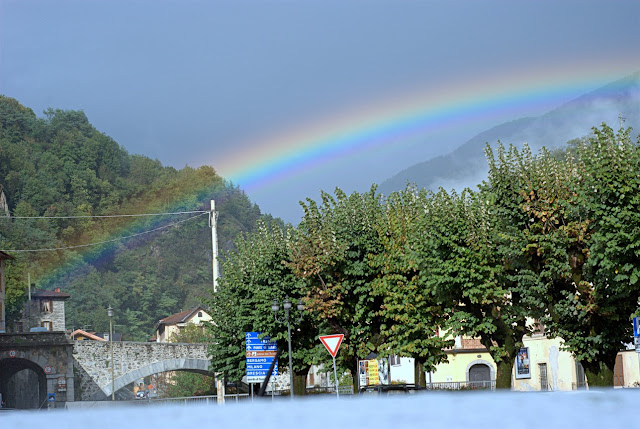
pixel 106 216
pixel 106 241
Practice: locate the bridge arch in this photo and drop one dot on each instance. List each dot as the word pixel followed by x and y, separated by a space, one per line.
pixel 23 383
pixel 200 366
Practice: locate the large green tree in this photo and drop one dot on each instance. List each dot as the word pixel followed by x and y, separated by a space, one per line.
pixel 330 254
pixel 411 315
pixel 592 312
pixel 256 273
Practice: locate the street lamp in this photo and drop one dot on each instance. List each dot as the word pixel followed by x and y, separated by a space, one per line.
pixel 275 307
pixel 110 314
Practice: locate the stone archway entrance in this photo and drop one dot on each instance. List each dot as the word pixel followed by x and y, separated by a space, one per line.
pixel 480 374
pixel 36 370
pixel 23 384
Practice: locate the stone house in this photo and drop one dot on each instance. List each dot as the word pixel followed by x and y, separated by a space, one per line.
pixel 45 309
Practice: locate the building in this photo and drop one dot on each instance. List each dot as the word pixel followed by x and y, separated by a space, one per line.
pixel 541 365
pixel 3 257
pixel 171 325
pixel 45 309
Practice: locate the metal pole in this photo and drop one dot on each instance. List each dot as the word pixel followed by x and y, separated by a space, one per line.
pixel 290 361
pixel 335 375
pixel 113 392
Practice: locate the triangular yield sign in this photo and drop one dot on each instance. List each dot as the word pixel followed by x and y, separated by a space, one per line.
pixel 332 343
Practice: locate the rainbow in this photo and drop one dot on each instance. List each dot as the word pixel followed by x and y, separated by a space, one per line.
pixel 406 118
pixel 82 259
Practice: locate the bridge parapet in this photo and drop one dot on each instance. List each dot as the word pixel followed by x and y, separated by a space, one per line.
pixel 33 339
pixel 133 360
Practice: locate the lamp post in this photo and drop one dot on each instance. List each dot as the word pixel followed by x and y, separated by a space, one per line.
pixel 287 307
pixel 110 314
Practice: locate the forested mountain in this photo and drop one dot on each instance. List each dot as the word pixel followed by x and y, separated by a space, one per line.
pixel 466 165
pixel 60 165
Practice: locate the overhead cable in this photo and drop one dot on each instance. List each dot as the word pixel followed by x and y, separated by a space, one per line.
pixel 106 241
pixel 107 216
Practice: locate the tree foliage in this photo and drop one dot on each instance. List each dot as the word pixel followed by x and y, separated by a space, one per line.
pixel 549 237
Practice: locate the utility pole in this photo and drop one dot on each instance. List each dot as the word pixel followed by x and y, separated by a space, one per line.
pixel 622 120
pixel 213 223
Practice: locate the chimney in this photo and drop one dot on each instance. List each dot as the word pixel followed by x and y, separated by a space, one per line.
pixel 57 289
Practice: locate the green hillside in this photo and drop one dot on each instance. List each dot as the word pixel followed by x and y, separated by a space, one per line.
pixel 60 165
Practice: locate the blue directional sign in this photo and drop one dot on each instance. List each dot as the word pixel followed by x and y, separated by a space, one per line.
pixel 260 355
pixel 636 327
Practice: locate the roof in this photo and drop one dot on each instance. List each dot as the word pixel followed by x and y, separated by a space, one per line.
pixel 41 293
pixel 5 255
pixel 117 336
pixel 86 334
pixel 181 317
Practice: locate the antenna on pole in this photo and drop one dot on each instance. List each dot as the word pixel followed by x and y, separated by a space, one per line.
pixel 213 218
pixel 622 119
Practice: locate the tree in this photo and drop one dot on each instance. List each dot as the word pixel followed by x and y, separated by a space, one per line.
pixel 411 315
pixel 592 312
pixel 255 274
pixel 330 254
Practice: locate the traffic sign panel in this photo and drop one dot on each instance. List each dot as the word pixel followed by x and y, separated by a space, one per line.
pixel 332 343
pixel 260 354
pixel 636 326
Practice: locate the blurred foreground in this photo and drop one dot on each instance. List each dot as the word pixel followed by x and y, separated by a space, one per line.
pixel 584 409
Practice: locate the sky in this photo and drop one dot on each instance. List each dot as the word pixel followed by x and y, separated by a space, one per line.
pixel 289 97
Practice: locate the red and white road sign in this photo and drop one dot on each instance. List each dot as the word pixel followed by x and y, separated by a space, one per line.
pixel 332 343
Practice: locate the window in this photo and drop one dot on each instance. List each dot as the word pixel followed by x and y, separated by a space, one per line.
pixel 544 381
pixel 199 313
pixel 46 306
pixel 19 326
pixel 581 382
pixel 394 360
pixel 538 327
pixel 48 325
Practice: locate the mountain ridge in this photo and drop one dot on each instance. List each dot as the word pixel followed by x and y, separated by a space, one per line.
pixel 465 166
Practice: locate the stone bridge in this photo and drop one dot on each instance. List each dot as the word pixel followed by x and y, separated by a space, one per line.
pixel 133 361
pixel 36 366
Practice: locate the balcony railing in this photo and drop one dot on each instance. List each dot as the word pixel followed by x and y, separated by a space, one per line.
pixel 463 385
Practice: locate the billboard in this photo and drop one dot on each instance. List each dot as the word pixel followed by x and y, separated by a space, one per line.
pixel 523 369
pixel 374 372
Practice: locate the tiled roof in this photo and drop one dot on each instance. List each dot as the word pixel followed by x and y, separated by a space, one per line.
pixel 41 293
pixel 180 317
pixel 86 334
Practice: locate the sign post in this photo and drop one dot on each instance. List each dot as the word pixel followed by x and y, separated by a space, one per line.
pixel 636 336
pixel 332 343
pixel 260 354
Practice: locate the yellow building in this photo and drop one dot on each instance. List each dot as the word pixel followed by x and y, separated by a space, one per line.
pixel 171 325
pixel 470 365
pixel 544 365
